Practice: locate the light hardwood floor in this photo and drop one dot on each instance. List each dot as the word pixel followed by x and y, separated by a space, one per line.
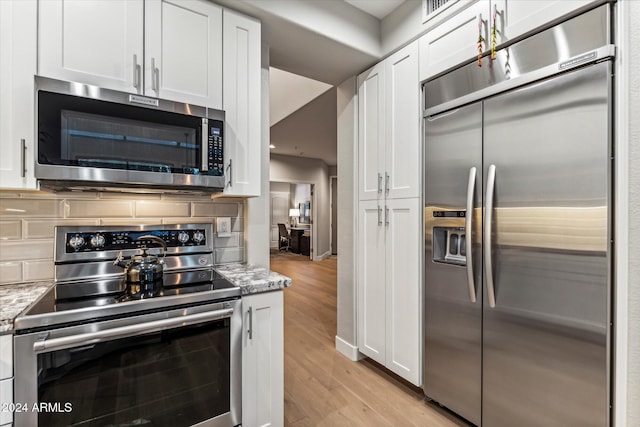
pixel 321 386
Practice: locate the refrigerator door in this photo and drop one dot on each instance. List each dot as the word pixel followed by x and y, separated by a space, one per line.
pixel 453 293
pixel 545 342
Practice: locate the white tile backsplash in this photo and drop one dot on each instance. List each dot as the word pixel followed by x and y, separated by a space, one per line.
pixel 27 222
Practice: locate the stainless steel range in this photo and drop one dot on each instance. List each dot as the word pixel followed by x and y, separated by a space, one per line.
pixel 138 329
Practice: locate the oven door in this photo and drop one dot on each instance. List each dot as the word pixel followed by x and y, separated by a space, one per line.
pixel 180 368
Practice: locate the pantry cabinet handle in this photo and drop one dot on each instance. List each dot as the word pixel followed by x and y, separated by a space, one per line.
pixel 130 330
pixel 137 69
pixel 386 183
pixel 379 215
pixel 250 330
pixel 386 215
pixel 488 219
pixel 379 182
pixel 23 156
pixel 468 226
pixel 155 76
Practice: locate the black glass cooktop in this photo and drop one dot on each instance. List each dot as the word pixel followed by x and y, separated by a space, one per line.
pixel 95 299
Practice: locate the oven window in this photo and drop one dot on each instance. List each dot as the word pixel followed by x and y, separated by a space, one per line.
pixel 177 377
pixel 76 131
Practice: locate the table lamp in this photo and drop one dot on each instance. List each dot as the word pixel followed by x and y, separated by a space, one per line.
pixel 294 213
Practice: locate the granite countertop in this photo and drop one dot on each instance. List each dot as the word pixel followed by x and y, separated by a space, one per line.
pixel 253 280
pixel 15 298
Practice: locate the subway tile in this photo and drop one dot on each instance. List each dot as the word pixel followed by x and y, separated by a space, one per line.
pixel 170 197
pixel 215 209
pixel 4 194
pixel 227 242
pixel 128 196
pixel 10 272
pixel 228 255
pixel 146 208
pixel 21 207
pixel 26 250
pixel 98 209
pixel 237 224
pixel 10 229
pixel 192 220
pixel 38 270
pixel 129 221
pixel 44 229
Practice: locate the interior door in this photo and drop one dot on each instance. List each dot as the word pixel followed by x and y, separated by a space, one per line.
pixel 453 300
pixel 546 337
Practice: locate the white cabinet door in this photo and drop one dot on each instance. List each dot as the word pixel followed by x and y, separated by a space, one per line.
pixel 403 295
pixel 402 157
pixel 517 17
pixel 183 51
pixel 371 281
pixel 18 56
pixel 371 132
pixel 241 101
pixel 454 41
pixel 98 42
pixel 6 397
pixel 262 360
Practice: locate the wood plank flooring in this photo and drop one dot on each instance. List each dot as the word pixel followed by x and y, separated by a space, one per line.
pixel 321 386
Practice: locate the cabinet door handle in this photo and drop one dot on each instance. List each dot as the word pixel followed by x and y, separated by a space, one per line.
pixel 386 183
pixel 137 70
pixel 250 330
pixel 386 215
pixel 155 76
pixel 379 182
pixel 229 183
pixel 379 215
pixel 23 157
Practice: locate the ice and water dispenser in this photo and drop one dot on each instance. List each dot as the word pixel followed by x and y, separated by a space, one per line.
pixel 449 243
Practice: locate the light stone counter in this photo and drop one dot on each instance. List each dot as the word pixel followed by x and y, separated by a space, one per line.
pixel 15 298
pixel 253 280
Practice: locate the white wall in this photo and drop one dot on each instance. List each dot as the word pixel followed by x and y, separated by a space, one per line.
pixel 258 215
pixel 633 302
pixel 311 171
pixel 347 191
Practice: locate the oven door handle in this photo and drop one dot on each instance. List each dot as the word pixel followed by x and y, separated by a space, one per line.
pixel 130 330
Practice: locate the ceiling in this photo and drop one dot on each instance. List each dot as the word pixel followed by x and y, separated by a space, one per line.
pixel 327 41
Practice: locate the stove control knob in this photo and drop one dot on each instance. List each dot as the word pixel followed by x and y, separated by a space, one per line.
pixel 76 242
pixel 183 237
pixel 198 236
pixel 97 240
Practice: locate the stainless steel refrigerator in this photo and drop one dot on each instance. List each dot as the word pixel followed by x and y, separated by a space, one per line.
pixel 518 221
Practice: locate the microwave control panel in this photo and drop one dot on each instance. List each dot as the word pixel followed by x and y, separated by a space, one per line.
pixel 215 158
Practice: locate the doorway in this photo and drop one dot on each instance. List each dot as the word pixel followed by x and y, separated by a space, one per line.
pixel 292 204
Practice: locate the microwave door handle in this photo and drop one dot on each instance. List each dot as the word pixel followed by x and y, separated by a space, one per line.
pixel 130 330
pixel 204 147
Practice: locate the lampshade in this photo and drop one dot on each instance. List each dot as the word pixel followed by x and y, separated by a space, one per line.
pixel 294 212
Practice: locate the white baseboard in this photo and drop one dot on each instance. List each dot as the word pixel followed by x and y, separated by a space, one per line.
pixel 350 351
pixel 323 256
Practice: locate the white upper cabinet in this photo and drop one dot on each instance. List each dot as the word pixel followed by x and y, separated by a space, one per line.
pixel 517 17
pixel 454 41
pixel 160 48
pixel 242 104
pixel 18 43
pixel 97 42
pixel 371 131
pixel 389 127
pixel 183 51
pixel 402 155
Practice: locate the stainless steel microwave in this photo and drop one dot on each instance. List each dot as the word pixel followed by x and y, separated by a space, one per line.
pixel 90 138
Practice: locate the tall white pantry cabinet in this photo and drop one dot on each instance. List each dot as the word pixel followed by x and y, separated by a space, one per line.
pixel 389 221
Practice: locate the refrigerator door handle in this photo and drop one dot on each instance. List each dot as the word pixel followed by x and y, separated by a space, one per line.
pixel 468 226
pixel 488 217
